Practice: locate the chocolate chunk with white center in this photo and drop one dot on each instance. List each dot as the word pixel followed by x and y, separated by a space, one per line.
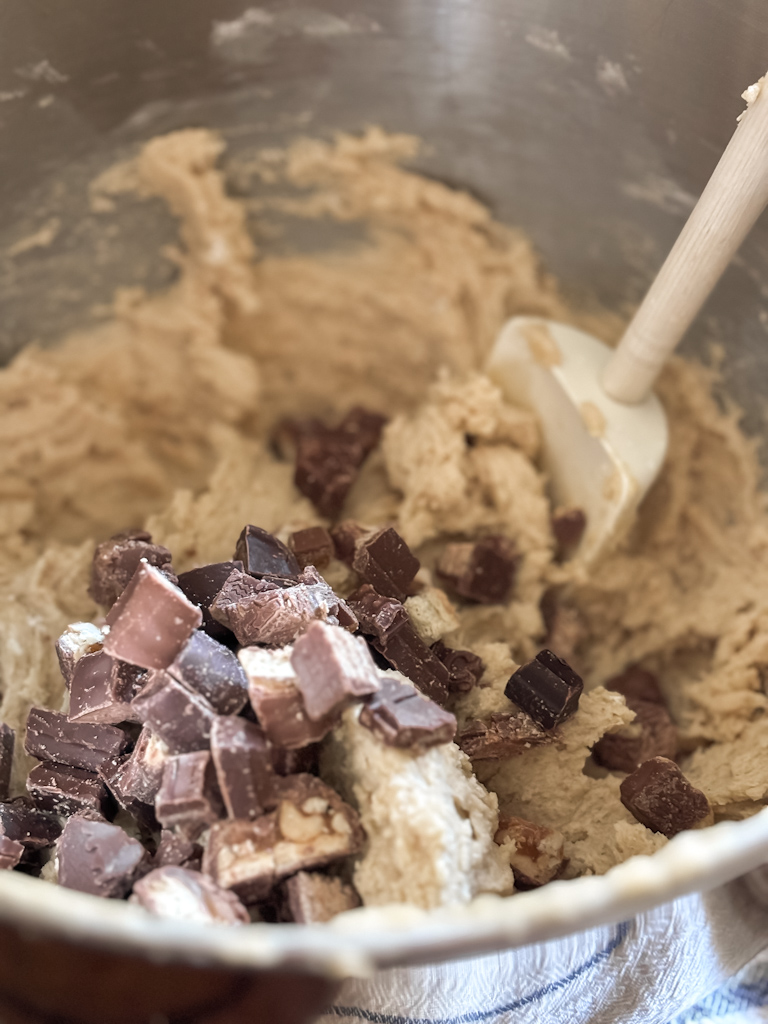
pixel 102 689
pixel 202 586
pixel 7 745
pixel 384 560
pixel 277 700
pixel 11 853
pixel 312 898
pixel 98 858
pixel 213 670
pixel 536 852
pixel 568 526
pixel 184 895
pixel 637 683
pixel 138 778
pixel 50 737
pixel 332 668
pixel 345 537
pixel 243 763
pixel 652 734
pixel 313 546
pixel 483 571
pixel 117 559
pixel 661 798
pixel 66 791
pixel 546 688
pixel 78 639
pixel 25 823
pixel 402 717
pixel 391 633
pixel 175 850
pixel 189 799
pixel 262 554
pixel 311 827
pixel 465 669
pixel 181 717
pixel 502 735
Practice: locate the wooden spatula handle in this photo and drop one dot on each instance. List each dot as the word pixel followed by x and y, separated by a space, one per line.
pixel 733 199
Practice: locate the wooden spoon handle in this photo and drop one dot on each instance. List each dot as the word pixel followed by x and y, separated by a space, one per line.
pixel 733 199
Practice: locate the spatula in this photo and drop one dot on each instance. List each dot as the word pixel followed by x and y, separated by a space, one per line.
pixel 604 431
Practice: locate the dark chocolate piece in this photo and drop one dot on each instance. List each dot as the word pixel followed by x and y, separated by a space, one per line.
pixel 25 823
pixel 313 546
pixel 181 717
pixel 185 895
pixel 143 813
pixel 189 799
pixel 384 560
pixel 243 763
pixel 102 689
pixel 483 571
pixel 98 858
pixel 78 638
pixel 636 683
pixel 117 559
pixel 652 734
pixel 151 622
pixel 502 735
pixel 138 778
pixel 332 668
pixel 202 586
pixel 536 855
pixel 66 791
pixel 213 670
pixel 7 745
pixel 175 850
pixel 403 717
pixel 312 898
pixel 661 798
pixel 11 853
pixel 51 737
pixel 345 537
pixel 327 464
pixel 364 427
pixel 546 688
pixel 465 669
pixel 568 526
pixel 262 554
pixel 296 762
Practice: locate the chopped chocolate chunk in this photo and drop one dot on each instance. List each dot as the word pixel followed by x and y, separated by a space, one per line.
pixel 483 571
pixel 78 638
pixel 345 537
pixel 465 669
pixel 137 779
pixel 181 717
pixel 536 852
pixel 175 850
pixel 403 717
pixel 296 762
pixel 7 745
pixel 243 763
pixel 546 688
pixel 313 546
pixel 262 554
pixel 332 668
pixel 312 898
pixel 502 735
pixel 202 587
pixel 637 684
pixel 151 622
pixel 25 823
pixel 661 798
pixel 364 426
pixel 652 734
pixel 187 895
pixel 384 560
pixel 117 559
pixel 66 791
pixel 391 633
pixel 102 689
pixel 568 526
pixel 213 670
pixel 98 858
pixel 189 799
pixel 50 737
pixel 327 465
pixel 11 853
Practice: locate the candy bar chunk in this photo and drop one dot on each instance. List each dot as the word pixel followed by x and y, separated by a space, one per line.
pixel 7 745
pixel 243 763
pixel 262 554
pixel 23 822
pixel 483 572
pixel 189 799
pixel 465 669
pixel 202 586
pixel 345 537
pixel 98 858
pixel 661 798
pixel 403 717
pixel 51 737
pixel 137 779
pixel 568 526
pixel 11 852
pixel 546 688
pixel 117 559
pixel 502 735
pixel 652 734
pixel 151 622
pixel 78 638
pixel 213 670
pixel 332 668
pixel 176 850
pixel 536 852
pixel 384 560
pixel 277 700
pixel 66 791
pixel 185 895
pixel 312 898
pixel 102 689
pixel 313 546
pixel 181 717
pixel 385 621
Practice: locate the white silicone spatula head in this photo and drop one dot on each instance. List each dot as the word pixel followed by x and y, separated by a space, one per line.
pixel 604 432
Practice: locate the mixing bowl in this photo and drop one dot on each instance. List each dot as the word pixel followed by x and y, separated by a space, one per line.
pixel 592 124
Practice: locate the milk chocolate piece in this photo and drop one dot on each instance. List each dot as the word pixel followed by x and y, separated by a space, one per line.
pixel 502 735
pixel 403 717
pixel 189 799
pixel 50 737
pixel 175 850
pixel 117 559
pixel 332 668
pixel 384 560
pixel 25 823
pixel 202 587
pixel 636 683
pixel 262 554
pixel 185 895
pixel 102 689
pixel 568 526
pixel 137 779
pixel 98 858
pixel 536 852
pixel 483 572
pixel 11 853
pixel 78 638
pixel 7 745
pixel 313 546
pixel 391 633
pixel 181 717
pixel 546 688
pixel 661 798
pixel 345 537
pixel 66 791
pixel 652 734
pixel 151 622
pixel 212 670
pixel 243 763
pixel 143 813
pixel 465 669
pixel 312 898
